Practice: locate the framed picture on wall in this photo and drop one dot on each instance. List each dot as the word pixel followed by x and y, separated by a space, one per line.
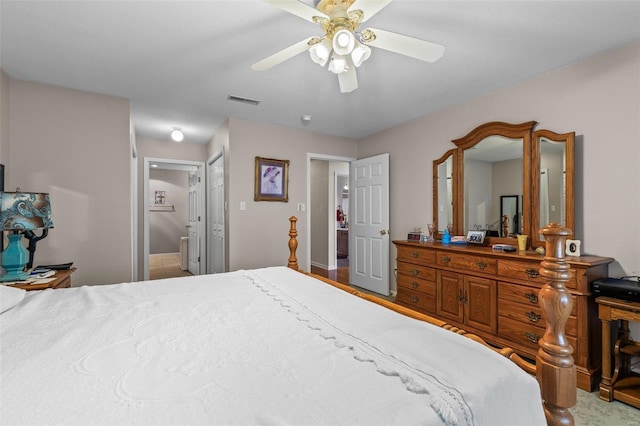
pixel 161 198
pixel 271 180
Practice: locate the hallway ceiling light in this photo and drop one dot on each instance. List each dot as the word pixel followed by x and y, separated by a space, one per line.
pixel 177 135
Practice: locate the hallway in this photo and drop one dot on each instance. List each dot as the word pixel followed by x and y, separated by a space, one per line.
pixel 166 265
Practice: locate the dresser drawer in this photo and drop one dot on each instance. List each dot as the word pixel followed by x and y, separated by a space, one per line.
pixel 529 314
pixel 416 254
pixel 412 284
pixel 416 271
pixel 416 301
pixel 528 296
pixel 525 334
pixel 528 271
pixel 468 262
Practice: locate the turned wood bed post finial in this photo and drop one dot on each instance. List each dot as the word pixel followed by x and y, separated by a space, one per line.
pixel 293 244
pixel 555 370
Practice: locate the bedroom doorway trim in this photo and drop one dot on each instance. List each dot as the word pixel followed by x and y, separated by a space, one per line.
pixel 330 208
pixel 172 164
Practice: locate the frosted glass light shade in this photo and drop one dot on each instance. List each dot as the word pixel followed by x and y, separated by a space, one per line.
pixel 360 54
pixel 338 64
pixel 320 52
pixel 343 42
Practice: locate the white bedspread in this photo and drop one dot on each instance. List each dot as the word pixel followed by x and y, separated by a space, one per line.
pixel 267 346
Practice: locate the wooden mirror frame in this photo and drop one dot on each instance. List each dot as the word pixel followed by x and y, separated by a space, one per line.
pixel 530 176
pixel 453 153
pixel 512 131
pixel 569 140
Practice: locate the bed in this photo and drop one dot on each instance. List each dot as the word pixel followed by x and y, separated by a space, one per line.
pixel 263 346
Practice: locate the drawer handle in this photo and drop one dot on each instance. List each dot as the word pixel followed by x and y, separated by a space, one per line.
pixel 414 272
pixel 446 259
pixel 531 273
pixel 532 297
pixel 532 337
pixel 415 285
pixel 415 254
pixel 415 299
pixel 481 265
pixel 533 317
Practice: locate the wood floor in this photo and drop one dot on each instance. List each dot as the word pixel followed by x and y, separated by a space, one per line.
pixel 166 265
pixel 341 275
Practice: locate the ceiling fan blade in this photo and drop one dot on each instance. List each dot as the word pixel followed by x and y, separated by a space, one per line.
pixel 297 8
pixel 348 80
pixel 369 7
pixel 282 55
pixel 405 45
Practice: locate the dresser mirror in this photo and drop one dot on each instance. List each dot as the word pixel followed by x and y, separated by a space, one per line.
pixel 505 179
pixel 552 180
pixel 492 168
pixel 443 190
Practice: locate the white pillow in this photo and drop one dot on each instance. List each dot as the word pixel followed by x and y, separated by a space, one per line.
pixel 10 297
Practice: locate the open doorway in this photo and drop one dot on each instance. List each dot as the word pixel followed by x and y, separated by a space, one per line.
pixel 174 237
pixel 328 216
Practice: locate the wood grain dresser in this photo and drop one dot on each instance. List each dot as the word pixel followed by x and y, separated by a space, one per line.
pixel 495 295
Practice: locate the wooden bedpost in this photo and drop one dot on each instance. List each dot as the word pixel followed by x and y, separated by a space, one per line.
pixel 293 243
pixel 555 370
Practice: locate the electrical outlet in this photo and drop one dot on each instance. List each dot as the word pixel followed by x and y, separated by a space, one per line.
pixel 243 205
pixel 301 207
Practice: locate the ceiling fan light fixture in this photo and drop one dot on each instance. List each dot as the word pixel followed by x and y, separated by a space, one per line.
pixel 338 64
pixel 343 42
pixel 320 52
pixel 360 54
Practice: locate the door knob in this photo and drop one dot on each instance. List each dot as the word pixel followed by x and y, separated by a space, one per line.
pixel 383 232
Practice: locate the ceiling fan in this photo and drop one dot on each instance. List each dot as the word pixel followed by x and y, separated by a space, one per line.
pixel 344 46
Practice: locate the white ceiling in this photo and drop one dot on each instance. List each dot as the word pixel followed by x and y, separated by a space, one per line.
pixel 177 61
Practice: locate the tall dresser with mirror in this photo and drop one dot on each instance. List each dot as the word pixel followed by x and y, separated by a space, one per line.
pixel 504 180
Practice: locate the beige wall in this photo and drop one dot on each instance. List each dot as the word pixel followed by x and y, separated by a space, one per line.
pixel 598 98
pixel 256 234
pixel 75 145
pixel 167 223
pixel 318 211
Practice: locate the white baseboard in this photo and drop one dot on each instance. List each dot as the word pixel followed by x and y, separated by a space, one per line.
pixel 320 265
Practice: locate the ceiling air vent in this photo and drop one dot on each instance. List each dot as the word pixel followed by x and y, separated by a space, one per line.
pixel 243 100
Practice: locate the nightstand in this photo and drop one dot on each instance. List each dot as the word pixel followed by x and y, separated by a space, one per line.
pixel 618 381
pixel 62 280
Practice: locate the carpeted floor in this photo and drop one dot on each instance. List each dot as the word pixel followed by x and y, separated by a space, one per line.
pixel 592 411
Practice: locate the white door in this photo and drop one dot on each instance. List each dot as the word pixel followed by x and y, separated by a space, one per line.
pixel 369 223
pixel 216 217
pixel 194 222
